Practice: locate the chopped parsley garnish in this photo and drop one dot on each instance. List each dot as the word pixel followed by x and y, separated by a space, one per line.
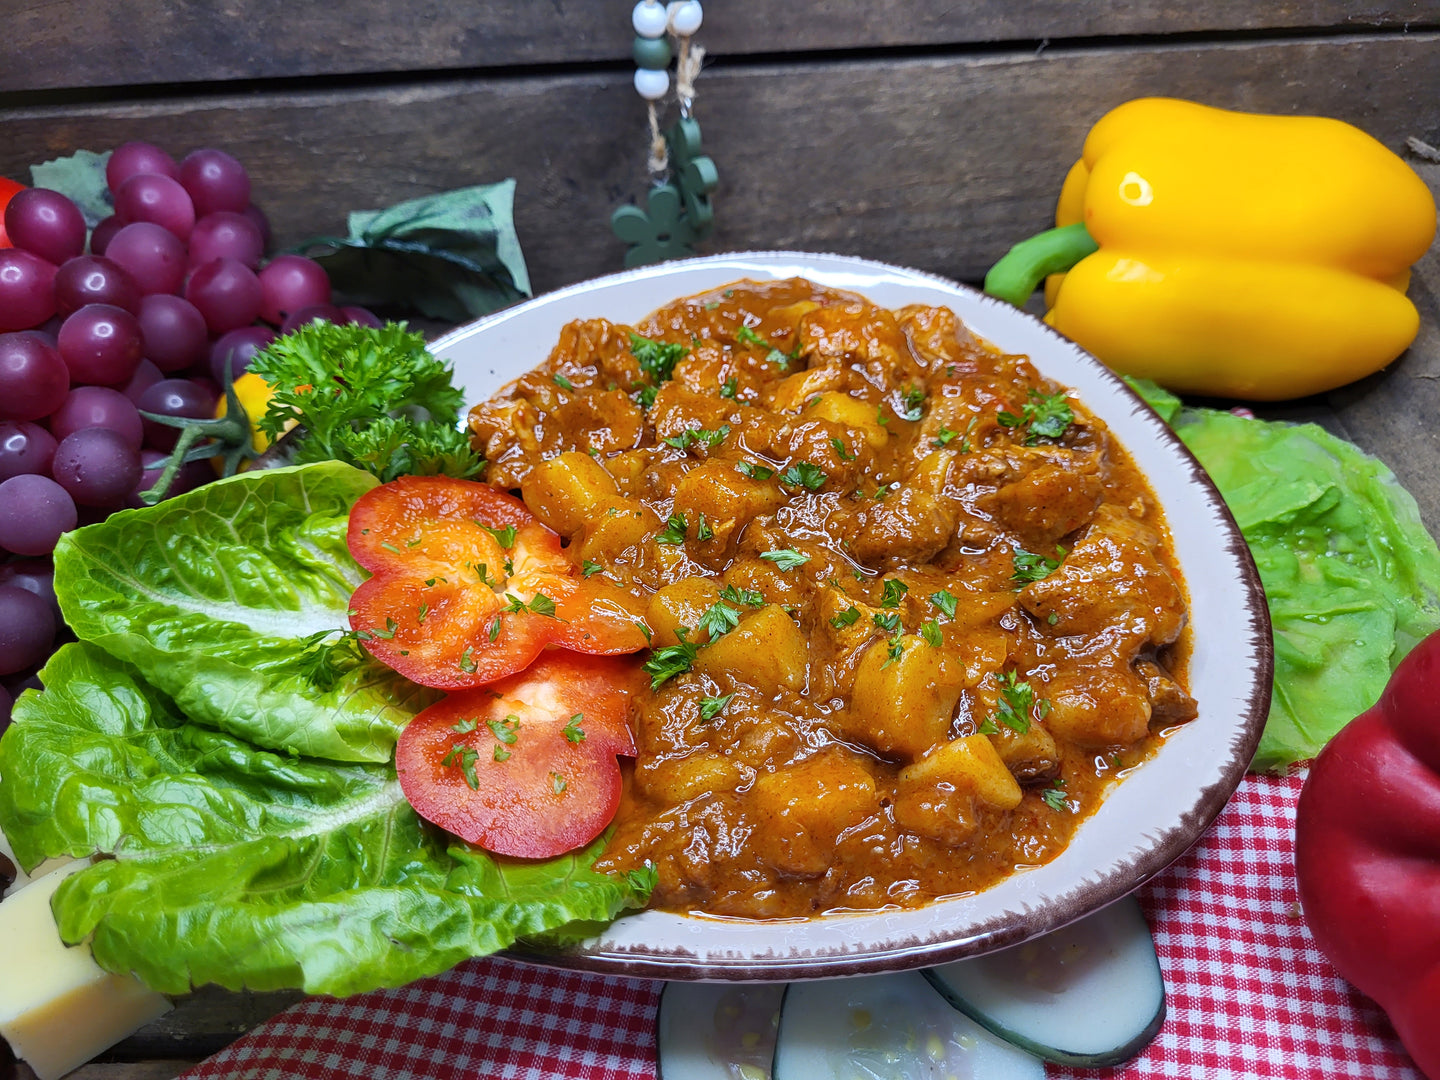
pixel 754 472
pixel 464 727
pixel 1030 567
pixel 753 597
pixel 467 665
pixel 494 632
pixel 505 730
pixel 1054 797
pixel 645 396
pixel 421 613
pixel 504 537
pixel 775 356
pixel 804 474
pixel 656 358
pixel 895 591
pixel 894 650
pixel 732 385
pixel 886 620
pixel 698 436
pixel 540 604
pixel 674 531
pixel 564 383
pixel 465 757
pixel 849 617
pixel 914 403
pixel 747 336
pixel 572 730
pixel 880 417
pixel 987 727
pixel 672 660
pixel 390 547
pixel 324 663
pixel 930 631
pixel 501 754
pixel 644 629
pixel 589 568
pixel 718 620
pixel 557 783
pixel 1053 618
pixel 785 558
pixel 943 437
pixel 703 531
pixel 945 601
pixel 1046 416
pixel 389 632
pixel 840 451
pixel 711 707
pixel 1017 701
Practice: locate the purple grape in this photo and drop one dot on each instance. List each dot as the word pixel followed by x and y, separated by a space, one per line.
pixel 45 223
pixel 97 467
pixel 174 332
pixel 34 511
pixel 158 199
pixel 27 289
pixel 362 316
pixel 200 376
pixel 34 576
pixel 189 476
pixel 146 376
pixel 261 222
pixel 49 330
pixel 101 345
pixel 226 235
pixel 130 158
pixel 93 279
pixel 24 448
pixel 33 377
pixel 27 629
pixel 97 406
pixel 216 181
pixel 319 313
pixel 173 397
pixel 154 256
pixel 103 233
pixel 292 282
pixel 239 348
pixel 227 292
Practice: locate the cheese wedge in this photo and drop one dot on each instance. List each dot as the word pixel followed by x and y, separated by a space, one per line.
pixel 57 1008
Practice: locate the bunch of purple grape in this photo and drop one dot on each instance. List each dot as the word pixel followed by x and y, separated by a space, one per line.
pixel 171 291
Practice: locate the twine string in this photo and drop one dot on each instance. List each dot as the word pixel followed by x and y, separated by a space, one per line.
pixel 659 152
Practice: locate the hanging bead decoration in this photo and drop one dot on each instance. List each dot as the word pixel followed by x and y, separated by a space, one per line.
pixel 677 210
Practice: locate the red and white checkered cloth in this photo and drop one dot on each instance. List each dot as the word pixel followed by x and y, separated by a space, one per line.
pixel 1249 995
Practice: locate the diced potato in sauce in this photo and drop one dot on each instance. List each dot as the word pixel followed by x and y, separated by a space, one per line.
pixel 904 631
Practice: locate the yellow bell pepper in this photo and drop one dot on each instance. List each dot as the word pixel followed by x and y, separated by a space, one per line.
pixel 1233 254
pixel 254 395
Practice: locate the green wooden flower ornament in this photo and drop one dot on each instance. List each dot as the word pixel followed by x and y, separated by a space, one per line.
pixel 659 232
pixel 695 174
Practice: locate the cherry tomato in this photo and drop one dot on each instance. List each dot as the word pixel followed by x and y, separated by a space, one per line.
pixel 8 190
pixel 469 587
pixel 526 766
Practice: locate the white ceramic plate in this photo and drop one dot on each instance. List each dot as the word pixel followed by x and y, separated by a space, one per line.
pixel 1147 822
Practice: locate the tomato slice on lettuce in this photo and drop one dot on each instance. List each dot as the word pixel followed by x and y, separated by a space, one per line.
pixel 470 587
pixel 527 766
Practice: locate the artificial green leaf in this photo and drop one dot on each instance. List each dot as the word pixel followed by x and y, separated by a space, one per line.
pixel 1351 575
pixel 452 256
pixel 249 869
pixel 215 596
pixel 81 178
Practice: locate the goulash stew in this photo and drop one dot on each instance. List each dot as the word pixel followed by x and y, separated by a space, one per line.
pixel 912 609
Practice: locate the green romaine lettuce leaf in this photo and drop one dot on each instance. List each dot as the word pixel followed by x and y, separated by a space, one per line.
pixel 249 869
pixel 211 596
pixel 1351 575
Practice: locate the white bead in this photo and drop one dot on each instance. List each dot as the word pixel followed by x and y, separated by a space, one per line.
pixel 685 16
pixel 649 18
pixel 651 85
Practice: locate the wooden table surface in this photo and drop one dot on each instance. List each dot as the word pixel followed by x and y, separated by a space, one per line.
pixel 921 132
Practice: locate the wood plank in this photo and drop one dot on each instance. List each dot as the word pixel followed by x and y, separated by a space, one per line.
pixel 99 43
pixel 936 163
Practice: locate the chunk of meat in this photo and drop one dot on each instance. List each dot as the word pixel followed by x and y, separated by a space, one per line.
pixel 1049 502
pixel 863 338
pixel 907 526
pixel 1169 703
pixel 1113 588
pixel 1098 708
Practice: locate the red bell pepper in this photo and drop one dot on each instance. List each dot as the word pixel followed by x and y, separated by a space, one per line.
pixel 1367 852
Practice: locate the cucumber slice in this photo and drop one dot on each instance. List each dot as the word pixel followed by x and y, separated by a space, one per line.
pixel 716 1031
pixel 1088 994
pixel 887 1027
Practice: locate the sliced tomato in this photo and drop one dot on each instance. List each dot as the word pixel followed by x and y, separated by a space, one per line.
pixel 526 766
pixel 469 587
